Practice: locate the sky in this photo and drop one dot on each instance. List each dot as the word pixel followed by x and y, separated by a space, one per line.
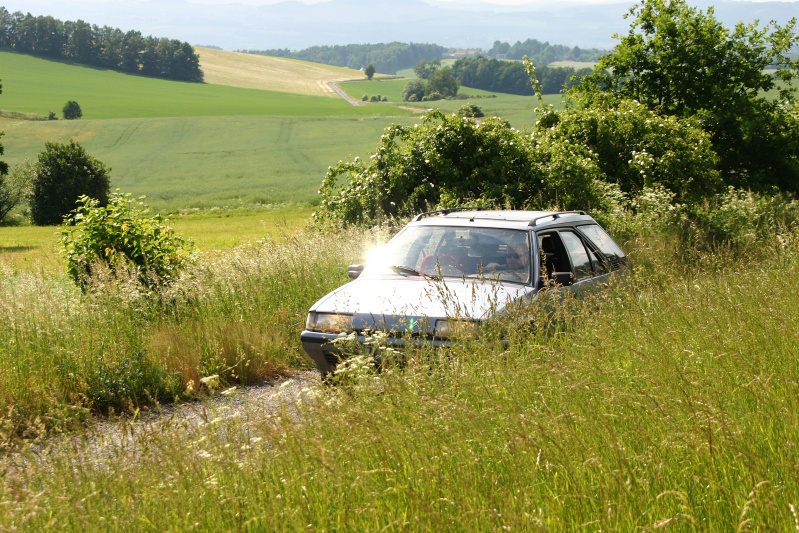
pixel 36 6
pixel 467 24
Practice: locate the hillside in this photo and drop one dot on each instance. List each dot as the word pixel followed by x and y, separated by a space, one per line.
pixel 250 71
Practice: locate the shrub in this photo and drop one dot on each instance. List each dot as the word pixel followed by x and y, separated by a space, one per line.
pixel 62 174
pixel 72 110
pixel 636 148
pixel 470 111
pixel 414 91
pixel 449 161
pixel 119 236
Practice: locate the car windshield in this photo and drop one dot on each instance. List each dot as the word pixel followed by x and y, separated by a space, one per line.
pixel 451 251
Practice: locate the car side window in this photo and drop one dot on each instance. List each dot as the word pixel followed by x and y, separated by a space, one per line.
pixel 602 240
pixel 555 264
pixel 580 259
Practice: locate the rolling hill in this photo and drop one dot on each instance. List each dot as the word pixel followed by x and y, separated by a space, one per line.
pixel 266 73
pixel 223 144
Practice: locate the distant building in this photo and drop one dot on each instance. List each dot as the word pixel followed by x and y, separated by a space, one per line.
pixel 458 54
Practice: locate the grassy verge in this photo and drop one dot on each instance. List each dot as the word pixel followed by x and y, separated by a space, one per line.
pixel 235 315
pixel 668 401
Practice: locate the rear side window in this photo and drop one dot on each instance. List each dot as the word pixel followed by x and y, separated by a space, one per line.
pixel 602 240
pixel 581 263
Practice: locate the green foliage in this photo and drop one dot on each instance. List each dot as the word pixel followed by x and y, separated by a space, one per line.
pixel 754 136
pixel 636 148
pixel 470 111
pixel 414 91
pixel 72 110
pixel 97 46
pixel 369 71
pixel 15 188
pixel 746 219
pixel 387 57
pixel 120 236
pixel 444 82
pixel 542 53
pixel 441 83
pixel 449 161
pixel 62 174
pixel 423 69
pixel 575 159
pixel 510 76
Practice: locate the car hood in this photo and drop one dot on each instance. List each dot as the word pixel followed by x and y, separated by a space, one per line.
pixel 374 301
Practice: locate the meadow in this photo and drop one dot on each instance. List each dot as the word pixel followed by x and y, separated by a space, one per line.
pixel 670 400
pixel 201 146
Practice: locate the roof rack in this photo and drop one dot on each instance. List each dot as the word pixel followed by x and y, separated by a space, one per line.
pixel 445 212
pixel 555 216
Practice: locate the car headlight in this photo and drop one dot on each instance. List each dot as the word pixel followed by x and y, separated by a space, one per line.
pixel 329 322
pixel 448 328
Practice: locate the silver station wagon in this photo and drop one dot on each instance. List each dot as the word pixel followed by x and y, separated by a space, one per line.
pixel 450 270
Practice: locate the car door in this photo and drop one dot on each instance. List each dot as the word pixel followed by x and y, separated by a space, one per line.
pixel 568 260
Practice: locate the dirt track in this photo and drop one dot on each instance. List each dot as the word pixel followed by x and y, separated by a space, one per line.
pixel 333 85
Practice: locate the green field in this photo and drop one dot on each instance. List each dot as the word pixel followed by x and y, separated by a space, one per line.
pixel 29 87
pixel 202 162
pixel 188 146
pixel 518 110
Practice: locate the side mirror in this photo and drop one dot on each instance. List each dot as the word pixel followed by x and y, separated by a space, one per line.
pixel 353 271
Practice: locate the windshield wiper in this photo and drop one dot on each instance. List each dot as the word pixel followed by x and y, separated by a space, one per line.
pixel 405 271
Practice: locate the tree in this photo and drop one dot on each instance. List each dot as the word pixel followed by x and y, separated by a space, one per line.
pixel 15 188
pixel 3 165
pixel 369 71
pixel 414 91
pixel 72 110
pixel 680 61
pixel 6 202
pixel 423 68
pixel 573 159
pixel 62 174
pixel 443 81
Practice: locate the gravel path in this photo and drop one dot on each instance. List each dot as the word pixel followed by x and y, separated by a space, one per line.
pixel 262 399
pixel 109 438
pixel 341 93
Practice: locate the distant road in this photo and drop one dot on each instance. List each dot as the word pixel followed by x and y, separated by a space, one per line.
pixel 333 85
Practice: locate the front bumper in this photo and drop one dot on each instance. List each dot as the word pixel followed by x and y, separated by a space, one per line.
pixel 326 354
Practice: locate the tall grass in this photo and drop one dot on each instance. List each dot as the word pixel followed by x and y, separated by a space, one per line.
pixel 236 315
pixel 671 400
